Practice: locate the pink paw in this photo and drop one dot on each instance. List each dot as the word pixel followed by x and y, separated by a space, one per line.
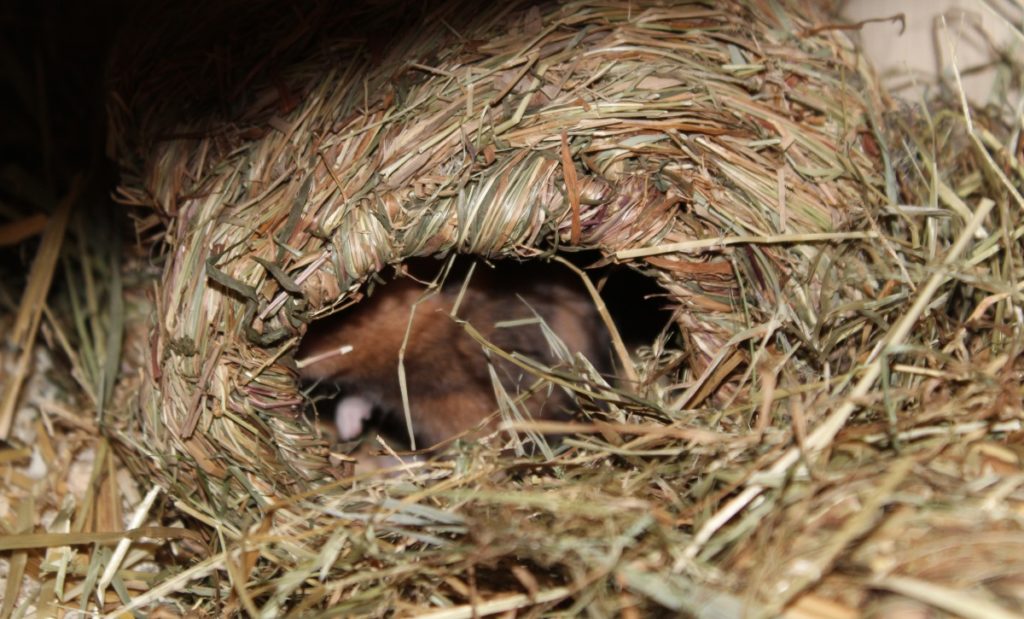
pixel 349 416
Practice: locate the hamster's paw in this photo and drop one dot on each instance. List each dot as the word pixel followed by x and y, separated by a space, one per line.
pixel 349 416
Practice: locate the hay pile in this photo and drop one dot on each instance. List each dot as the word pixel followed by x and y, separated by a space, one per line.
pixel 841 415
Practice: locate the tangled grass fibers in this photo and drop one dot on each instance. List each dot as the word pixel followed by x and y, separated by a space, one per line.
pixel 842 413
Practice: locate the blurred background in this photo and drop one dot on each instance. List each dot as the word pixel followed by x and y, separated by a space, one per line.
pixel 911 53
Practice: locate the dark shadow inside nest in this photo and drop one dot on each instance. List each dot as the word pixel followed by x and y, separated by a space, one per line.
pixel 455 360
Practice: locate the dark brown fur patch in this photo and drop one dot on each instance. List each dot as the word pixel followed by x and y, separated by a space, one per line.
pixel 449 384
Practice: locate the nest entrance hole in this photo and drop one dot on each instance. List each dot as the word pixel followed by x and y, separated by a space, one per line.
pixel 434 350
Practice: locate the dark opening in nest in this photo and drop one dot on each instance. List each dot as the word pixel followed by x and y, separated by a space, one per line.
pixel 437 350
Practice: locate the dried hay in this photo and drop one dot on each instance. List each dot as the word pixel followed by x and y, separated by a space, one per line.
pixel 844 421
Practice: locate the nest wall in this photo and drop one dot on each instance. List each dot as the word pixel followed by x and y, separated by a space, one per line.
pixel 654 132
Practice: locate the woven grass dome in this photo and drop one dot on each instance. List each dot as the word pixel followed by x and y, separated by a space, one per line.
pixel 656 134
pixel 736 153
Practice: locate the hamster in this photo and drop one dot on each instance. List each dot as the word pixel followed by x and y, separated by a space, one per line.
pixel 447 374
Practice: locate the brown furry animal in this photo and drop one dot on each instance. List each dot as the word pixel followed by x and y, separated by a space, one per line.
pixel 449 383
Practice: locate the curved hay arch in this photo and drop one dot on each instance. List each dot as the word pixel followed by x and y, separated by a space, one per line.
pixel 610 125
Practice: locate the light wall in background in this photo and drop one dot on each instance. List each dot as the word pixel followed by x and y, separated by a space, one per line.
pixel 923 51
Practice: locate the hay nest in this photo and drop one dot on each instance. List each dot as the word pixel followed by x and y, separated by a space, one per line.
pixel 736 153
pixel 638 131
